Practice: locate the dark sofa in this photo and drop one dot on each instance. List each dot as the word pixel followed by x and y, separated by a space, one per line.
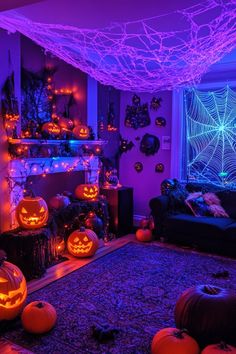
pixel 176 224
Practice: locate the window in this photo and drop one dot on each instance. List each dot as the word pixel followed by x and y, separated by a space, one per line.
pixel 210 131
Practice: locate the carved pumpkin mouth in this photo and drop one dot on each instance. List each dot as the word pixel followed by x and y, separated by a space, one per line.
pixel 81 248
pixel 90 195
pixel 33 220
pixel 14 297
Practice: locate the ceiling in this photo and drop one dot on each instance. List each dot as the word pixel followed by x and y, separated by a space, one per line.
pixel 13 4
pixel 94 13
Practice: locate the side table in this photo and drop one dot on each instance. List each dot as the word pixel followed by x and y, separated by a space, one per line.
pixel 120 207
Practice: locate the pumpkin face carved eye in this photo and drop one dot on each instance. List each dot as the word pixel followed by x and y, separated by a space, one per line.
pixel 3 280
pixel 76 239
pixel 85 239
pixel 15 273
pixel 24 211
pixel 86 189
pixel 42 210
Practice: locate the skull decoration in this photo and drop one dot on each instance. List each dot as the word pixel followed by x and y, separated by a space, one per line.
pixel 32 213
pixel 82 243
pixel 138 166
pixel 159 168
pixel 150 144
pixel 13 290
pixel 160 122
pixel 155 103
pixel 81 132
pixel 51 129
pixel 86 191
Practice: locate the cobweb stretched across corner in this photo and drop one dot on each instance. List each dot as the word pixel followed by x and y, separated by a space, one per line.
pixel 163 52
pixel 211 134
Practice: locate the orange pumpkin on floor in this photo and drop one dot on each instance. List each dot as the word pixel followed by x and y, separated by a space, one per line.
pixel 81 132
pixel 173 341
pixel 38 317
pixel 32 213
pixel 144 235
pixel 86 191
pixel 220 348
pixel 13 289
pixel 82 243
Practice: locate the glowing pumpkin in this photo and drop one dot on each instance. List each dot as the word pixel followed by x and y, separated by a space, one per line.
pixel 86 191
pixel 82 243
pixel 38 317
pixel 173 341
pixel 65 124
pixel 144 235
pixel 219 349
pixel 13 290
pixel 51 128
pixel 32 213
pixel 81 132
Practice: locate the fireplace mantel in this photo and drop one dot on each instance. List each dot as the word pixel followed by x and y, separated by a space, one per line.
pixel 20 168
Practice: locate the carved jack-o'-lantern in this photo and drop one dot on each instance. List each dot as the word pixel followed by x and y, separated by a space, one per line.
pixel 51 129
pixel 65 124
pixel 13 290
pixel 86 191
pixel 82 243
pixel 81 132
pixel 32 213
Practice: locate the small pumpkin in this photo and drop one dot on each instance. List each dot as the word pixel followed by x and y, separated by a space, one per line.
pixel 32 212
pixel 208 313
pixel 144 235
pixel 82 243
pixel 173 341
pixel 86 191
pixel 94 223
pixel 59 201
pixel 221 348
pixel 51 129
pixel 81 132
pixel 13 289
pixel 38 317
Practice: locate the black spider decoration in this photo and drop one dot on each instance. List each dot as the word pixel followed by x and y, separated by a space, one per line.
pixel 155 103
pixel 150 144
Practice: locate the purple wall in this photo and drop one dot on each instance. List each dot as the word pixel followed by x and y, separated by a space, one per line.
pixel 147 183
pixel 34 59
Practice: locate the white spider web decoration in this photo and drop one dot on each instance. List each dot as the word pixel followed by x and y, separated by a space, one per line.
pixel 211 134
pixel 141 56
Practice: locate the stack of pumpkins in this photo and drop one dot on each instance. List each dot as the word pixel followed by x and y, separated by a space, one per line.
pixel 65 128
pixel 207 314
pixel 144 233
pixel 13 290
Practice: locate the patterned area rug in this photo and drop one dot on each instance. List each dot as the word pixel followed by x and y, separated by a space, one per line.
pixel 133 289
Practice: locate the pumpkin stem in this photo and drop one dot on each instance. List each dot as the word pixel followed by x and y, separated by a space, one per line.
pixel 40 305
pixel 224 346
pixel 82 229
pixel 211 290
pixel 179 333
pixel 3 256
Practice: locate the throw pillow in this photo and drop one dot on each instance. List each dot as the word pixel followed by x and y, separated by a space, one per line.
pixel 197 204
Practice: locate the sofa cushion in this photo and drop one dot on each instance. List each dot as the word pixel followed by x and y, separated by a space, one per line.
pixel 228 202
pixel 197 227
pixel 230 232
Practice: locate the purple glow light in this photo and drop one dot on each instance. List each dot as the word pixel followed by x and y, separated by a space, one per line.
pixel 141 56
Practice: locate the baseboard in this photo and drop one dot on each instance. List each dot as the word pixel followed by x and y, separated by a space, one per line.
pixel 137 218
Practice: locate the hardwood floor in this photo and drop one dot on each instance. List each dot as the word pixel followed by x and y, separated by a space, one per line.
pixel 58 271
